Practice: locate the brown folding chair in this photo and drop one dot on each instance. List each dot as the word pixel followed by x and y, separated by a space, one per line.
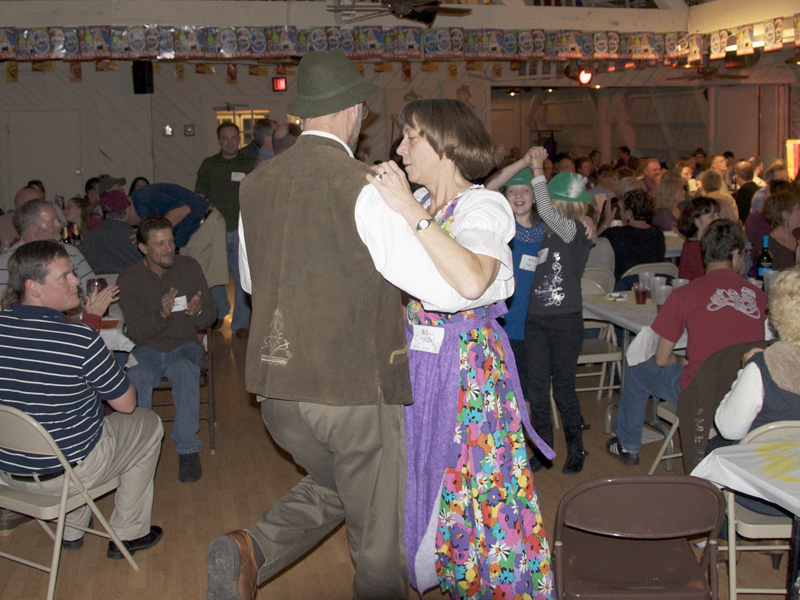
pixel 628 537
pixel 206 380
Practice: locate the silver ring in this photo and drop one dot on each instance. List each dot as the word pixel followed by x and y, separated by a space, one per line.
pixel 379 176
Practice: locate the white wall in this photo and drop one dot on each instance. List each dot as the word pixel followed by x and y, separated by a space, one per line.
pixel 125 132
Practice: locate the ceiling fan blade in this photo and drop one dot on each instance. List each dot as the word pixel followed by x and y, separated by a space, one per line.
pixel 373 9
pixel 446 10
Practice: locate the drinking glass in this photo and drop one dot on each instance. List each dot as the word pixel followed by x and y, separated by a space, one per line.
pixel 640 292
pixel 96 285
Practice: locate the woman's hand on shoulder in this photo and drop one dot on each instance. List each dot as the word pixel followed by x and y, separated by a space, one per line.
pixel 393 186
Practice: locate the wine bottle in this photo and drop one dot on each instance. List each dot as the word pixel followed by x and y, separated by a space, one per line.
pixel 764 259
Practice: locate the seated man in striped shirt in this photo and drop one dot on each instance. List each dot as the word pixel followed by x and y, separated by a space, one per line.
pixel 59 373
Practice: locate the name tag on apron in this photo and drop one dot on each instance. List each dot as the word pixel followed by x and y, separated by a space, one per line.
pixel 427 338
pixel 528 262
pixel 237 176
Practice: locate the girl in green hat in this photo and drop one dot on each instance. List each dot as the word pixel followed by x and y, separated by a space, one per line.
pixel 514 181
pixel 554 326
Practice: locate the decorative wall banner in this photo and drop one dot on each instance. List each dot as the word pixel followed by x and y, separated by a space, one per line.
pixel 744 40
pixel 12 71
pixel 773 34
pixel 676 44
pixel 717 44
pixel 75 73
pixel 695 47
pixel 797 30
pixel 258 70
pixel 169 42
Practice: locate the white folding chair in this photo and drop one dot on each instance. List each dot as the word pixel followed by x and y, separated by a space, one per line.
pixel 602 350
pixel 659 268
pixel 753 525
pixel 600 275
pixel 20 432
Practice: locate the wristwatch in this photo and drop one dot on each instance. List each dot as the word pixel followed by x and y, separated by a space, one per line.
pixel 424 224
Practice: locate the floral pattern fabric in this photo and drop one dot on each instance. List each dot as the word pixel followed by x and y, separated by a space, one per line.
pixel 490 540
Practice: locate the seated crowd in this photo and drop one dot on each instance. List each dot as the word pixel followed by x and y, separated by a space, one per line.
pixel 52 251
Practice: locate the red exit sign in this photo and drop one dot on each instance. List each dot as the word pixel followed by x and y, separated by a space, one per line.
pixel 279 84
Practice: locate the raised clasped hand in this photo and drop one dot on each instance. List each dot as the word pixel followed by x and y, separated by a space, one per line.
pixel 538 154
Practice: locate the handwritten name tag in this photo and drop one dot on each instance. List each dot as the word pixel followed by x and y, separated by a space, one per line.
pixel 237 176
pixel 179 304
pixel 427 338
pixel 528 262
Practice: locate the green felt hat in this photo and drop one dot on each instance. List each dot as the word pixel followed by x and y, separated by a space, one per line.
pixel 328 82
pixel 522 178
pixel 570 187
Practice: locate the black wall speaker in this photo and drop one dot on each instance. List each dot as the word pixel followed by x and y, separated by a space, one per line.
pixel 142 77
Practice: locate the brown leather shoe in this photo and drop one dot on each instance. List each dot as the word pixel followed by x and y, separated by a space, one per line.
pixel 232 568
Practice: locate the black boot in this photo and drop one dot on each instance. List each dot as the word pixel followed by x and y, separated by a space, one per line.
pixel 575 452
pixel 536 459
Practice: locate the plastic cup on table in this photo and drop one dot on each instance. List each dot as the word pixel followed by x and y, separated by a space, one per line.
pixel 640 292
pixel 646 277
pixel 656 281
pixel 679 282
pixel 756 282
pixel 769 277
pixel 660 295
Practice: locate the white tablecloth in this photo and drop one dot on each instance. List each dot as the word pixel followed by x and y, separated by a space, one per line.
pixel 769 470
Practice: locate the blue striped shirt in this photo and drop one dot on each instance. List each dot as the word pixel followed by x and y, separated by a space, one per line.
pixel 57 372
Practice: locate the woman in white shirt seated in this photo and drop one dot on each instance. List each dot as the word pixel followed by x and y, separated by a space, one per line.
pixel 469 485
pixel 767 389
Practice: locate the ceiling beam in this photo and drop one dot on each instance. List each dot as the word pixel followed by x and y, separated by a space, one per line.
pixel 513 14
pixel 673 15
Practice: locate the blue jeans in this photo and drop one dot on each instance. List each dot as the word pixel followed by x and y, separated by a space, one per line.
pixel 181 366
pixel 241 300
pixel 642 381
pixel 219 294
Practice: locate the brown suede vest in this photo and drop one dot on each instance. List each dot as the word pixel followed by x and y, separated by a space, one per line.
pixel 326 327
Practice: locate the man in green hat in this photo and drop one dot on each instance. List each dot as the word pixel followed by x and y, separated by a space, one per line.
pixel 325 352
